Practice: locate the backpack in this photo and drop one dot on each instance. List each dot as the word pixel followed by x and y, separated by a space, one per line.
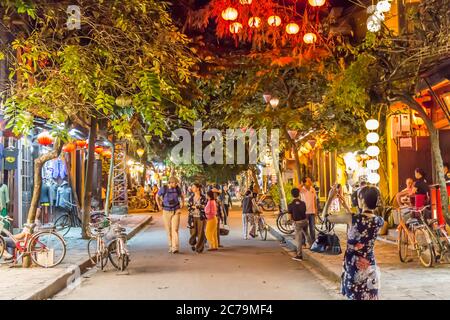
pixel 170 197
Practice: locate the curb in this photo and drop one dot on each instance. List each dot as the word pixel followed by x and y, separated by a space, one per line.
pixel 52 287
pixel 310 258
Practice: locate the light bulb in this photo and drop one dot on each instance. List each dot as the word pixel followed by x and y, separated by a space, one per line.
pixel 373 178
pixel 373 24
pixel 274 102
pixel 372 137
pixel 373 164
pixel 372 124
pixel 373 151
pixel 383 6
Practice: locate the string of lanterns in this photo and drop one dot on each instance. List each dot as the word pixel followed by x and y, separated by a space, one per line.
pixel 231 14
pixel 373 151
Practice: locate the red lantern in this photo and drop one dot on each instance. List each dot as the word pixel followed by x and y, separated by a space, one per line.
pixel 98 150
pixel 81 143
pixel 44 138
pixel 69 147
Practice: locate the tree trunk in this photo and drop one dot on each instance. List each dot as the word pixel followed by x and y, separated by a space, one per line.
pixel 37 185
pixel 435 150
pixel 296 157
pixel 88 181
pixel 276 166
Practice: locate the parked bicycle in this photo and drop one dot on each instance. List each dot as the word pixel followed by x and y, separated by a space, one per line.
pixel 261 225
pixel 46 247
pixel 425 236
pixel 68 220
pixel 97 249
pixel 266 202
pixel 117 250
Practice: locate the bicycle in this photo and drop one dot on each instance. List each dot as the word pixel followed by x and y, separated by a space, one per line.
pixel 117 250
pixel 46 247
pixel 266 202
pixel 261 225
pixel 68 220
pixel 97 249
pixel 284 224
pixel 416 233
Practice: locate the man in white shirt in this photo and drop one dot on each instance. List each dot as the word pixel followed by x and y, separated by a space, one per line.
pixel 308 195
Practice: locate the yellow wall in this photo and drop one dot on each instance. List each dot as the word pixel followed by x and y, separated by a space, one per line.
pixel 392 159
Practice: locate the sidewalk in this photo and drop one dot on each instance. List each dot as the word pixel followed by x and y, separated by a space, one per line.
pixel 39 283
pixel 399 280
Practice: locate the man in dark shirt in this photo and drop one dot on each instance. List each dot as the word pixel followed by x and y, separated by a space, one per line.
pixel 297 213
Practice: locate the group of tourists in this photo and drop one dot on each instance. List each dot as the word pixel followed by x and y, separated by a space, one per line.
pixel 208 209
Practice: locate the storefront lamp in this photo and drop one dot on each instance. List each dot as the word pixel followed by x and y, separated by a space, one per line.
pixel 373 177
pixel 373 151
pixel 373 164
pixel 309 38
pixel 292 28
pixel 274 102
pixel 230 14
pixel 235 27
pixel 372 137
pixel 372 124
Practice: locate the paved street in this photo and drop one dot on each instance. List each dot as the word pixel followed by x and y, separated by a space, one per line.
pixel 252 269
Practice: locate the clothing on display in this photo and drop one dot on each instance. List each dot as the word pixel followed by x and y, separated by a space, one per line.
pixel 4 196
pixel 45 195
pixel 53 192
pixel 64 196
pixel 59 169
pixel 10 156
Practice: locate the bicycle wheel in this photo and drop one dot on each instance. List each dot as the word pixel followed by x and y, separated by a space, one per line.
pixel 2 246
pixel 47 249
pixel 63 224
pixel 268 205
pixel 98 256
pixel 115 257
pixel 424 248
pixel 403 245
pixel 124 260
pixel 285 225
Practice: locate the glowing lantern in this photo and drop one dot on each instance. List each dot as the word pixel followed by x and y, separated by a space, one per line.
pixel 230 14
pixel 254 22
pixel 373 151
pixel 383 6
pixel 81 143
pixel 274 102
pixel 373 164
pixel 292 28
pixel 69 147
pixel 140 152
pixel 235 27
pixel 372 137
pixel 245 1
pixel 274 21
pixel 98 150
pixel 372 124
pixel 373 178
pixel 309 38
pixel 316 3
pixel 44 138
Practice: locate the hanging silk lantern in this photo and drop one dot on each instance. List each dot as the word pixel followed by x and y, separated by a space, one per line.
pixel 254 22
pixel 316 3
pixel 245 2
pixel 235 27
pixel 69 147
pixel 81 143
pixel 274 21
pixel 140 152
pixel 230 14
pixel 309 38
pixel 44 138
pixel 98 150
pixel 292 28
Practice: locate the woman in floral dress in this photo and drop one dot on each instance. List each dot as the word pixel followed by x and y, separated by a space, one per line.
pixel 360 278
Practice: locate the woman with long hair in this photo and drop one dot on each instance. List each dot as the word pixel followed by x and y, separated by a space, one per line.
pixel 197 218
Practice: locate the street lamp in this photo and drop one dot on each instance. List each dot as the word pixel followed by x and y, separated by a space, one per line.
pixel 274 102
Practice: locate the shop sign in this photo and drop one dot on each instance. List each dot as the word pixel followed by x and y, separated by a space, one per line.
pixel 10 156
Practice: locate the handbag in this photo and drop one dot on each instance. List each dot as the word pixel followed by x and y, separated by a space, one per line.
pixel 334 245
pixel 224 230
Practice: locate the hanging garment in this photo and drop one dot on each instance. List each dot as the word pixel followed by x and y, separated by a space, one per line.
pixel 64 196
pixel 4 196
pixel 53 191
pixel 45 194
pixel 11 158
pixel 59 169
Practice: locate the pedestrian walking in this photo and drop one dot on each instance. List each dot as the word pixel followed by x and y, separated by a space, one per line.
pixel 197 218
pixel 360 279
pixel 309 197
pixel 297 213
pixel 171 200
pixel 215 188
pixel 225 198
pixel 248 207
pixel 212 221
